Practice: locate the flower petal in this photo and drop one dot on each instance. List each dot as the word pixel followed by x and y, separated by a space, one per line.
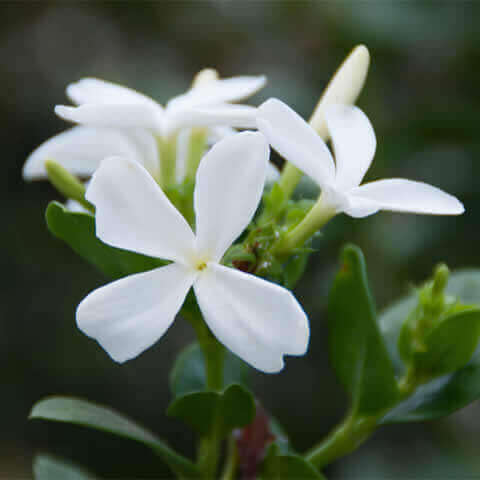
pixel 93 90
pixel 80 150
pixel 217 91
pixel 354 143
pixel 113 115
pixel 147 149
pixel 239 116
pixel 128 316
pixel 296 141
pixel 133 213
pixel 257 320
pixel 344 87
pixel 399 195
pixel 228 189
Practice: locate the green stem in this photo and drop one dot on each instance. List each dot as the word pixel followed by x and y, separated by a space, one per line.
pixel 232 460
pixel 356 429
pixel 214 353
pixel 289 179
pixel 318 216
pixel 168 160
pixel 196 149
pixel 346 438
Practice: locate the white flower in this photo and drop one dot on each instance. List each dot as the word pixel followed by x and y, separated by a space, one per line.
pixel 207 103
pixel 257 320
pixel 81 149
pixel 354 145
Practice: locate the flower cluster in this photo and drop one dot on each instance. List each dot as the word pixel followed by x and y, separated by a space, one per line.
pixel 160 189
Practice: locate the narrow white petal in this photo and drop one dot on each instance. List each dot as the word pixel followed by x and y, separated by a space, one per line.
pixel 218 91
pixel 133 213
pixel 113 115
pixel 296 141
pixel 399 195
pixel 146 147
pixel 344 87
pixel 93 90
pixel 228 189
pixel 80 150
pixel 257 320
pixel 128 316
pixel 239 116
pixel 354 143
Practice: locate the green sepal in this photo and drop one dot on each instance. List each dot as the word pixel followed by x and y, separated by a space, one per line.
pixel 78 231
pixel 189 375
pixel 232 408
pixel 84 413
pixel 274 203
pixel 278 466
pixel 442 395
pixel 48 467
pixel 357 349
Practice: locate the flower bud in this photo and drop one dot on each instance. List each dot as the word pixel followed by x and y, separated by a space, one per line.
pixel 441 334
pixel 66 183
pixel 344 87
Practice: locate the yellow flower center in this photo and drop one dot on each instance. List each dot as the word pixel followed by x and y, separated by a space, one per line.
pixel 201 266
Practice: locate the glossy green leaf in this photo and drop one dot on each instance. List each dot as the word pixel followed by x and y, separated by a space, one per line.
pixel 232 408
pixel 48 467
pixel 357 350
pixel 87 414
pixel 444 395
pixel 78 231
pixel 188 374
pixel 281 467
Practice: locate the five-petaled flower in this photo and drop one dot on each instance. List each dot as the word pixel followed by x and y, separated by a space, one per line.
pixel 257 320
pixel 354 144
pixel 119 121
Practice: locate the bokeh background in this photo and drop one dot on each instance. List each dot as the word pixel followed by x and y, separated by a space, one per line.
pixel 422 95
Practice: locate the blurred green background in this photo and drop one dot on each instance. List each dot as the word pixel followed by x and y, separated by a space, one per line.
pixel 422 96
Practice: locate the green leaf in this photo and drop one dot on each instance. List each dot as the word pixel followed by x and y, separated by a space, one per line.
pixel 451 344
pixel 233 408
pixel 357 349
pixel 449 393
pixel 78 230
pixel 294 269
pixel 87 414
pixel 188 374
pixel 282 467
pixel 48 467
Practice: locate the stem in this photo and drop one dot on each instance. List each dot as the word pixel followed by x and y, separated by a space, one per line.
pixel 356 429
pixel 196 149
pixel 318 216
pixel 214 353
pixel 168 160
pixel 232 460
pixel 289 179
pixel 346 438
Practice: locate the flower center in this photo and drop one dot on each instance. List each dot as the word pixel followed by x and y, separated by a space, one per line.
pixel 201 266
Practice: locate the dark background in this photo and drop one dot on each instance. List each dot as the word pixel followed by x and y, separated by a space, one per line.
pixel 422 95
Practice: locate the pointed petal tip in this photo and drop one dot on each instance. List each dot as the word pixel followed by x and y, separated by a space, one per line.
pixel 63 111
